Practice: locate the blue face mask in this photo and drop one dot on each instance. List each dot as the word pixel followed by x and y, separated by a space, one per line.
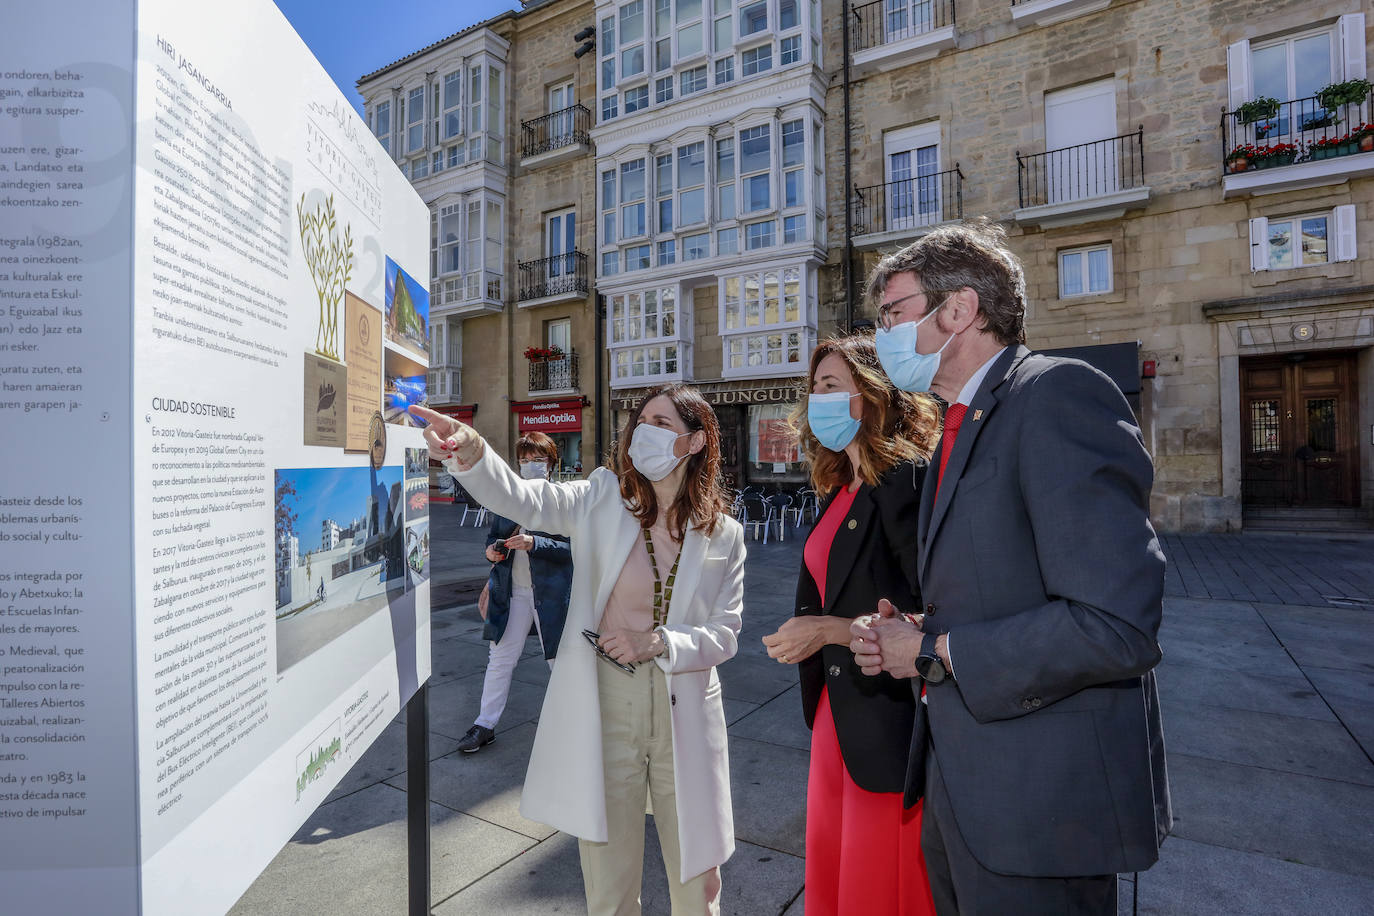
pixel 909 370
pixel 829 419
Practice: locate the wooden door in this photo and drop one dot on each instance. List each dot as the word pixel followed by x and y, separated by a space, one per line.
pixel 1298 416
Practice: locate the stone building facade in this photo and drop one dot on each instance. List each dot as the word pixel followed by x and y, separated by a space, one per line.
pixel 1192 210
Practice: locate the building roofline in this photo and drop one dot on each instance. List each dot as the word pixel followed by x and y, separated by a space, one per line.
pixel 486 23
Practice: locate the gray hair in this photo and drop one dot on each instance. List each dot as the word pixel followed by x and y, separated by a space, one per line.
pixel 973 254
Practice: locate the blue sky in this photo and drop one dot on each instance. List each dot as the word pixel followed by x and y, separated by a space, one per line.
pixel 353 37
pixel 337 493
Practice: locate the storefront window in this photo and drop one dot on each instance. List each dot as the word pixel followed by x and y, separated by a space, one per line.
pixel 773 450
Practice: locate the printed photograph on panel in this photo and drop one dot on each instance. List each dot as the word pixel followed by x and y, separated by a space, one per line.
pixel 417 484
pixel 407 312
pixel 340 552
pixel 404 383
pixel 417 553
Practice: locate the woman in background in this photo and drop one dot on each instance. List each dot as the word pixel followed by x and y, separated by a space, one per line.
pixel 529 583
pixel 866 443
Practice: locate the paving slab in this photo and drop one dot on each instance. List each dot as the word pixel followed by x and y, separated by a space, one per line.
pixel 486 784
pixel 755 680
pixel 1291 744
pixel 1199 878
pixel 768 785
pixel 386 757
pixel 350 857
pixel 544 879
pixel 1293 695
pixel 1324 823
pixel 1247 658
pixel 454 705
pixel 1351 696
pixel 779 721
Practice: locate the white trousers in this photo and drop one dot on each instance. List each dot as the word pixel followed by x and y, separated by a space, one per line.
pixel 504 653
pixel 637 754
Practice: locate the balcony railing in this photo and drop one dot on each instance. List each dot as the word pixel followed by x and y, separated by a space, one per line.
pixel 554 374
pixel 910 203
pixel 1303 130
pixel 1081 172
pixel 887 21
pixel 559 275
pixel 567 127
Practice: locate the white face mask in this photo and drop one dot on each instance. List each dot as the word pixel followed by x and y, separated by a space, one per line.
pixel 651 449
pixel 534 470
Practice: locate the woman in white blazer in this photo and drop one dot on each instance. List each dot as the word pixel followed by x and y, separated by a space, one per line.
pixel 659 582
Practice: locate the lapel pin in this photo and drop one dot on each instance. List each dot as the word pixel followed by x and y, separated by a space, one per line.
pixel 853 523
pixel 978 414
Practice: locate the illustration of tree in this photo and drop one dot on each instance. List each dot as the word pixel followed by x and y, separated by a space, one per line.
pixel 330 260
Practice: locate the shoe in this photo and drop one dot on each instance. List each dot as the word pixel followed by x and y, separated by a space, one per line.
pixel 476 738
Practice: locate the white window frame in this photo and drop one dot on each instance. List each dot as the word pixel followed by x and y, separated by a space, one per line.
pixel 451 116
pixel 1349 63
pixel 382 131
pixel 1341 242
pixel 633 338
pixel 1085 273
pixel 744 339
pixel 412 122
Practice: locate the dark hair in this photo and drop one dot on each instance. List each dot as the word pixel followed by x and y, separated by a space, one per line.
pixel 701 499
pixel 536 444
pixel 973 255
pixel 897 425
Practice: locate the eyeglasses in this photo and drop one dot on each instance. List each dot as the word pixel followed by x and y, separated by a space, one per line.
pixel 594 638
pixel 886 321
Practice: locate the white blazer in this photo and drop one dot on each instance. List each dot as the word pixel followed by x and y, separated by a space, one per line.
pixel 564 786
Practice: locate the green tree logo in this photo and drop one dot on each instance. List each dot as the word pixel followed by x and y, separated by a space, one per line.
pixel 331 266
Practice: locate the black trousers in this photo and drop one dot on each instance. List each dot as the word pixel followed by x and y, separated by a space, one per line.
pixel 963 887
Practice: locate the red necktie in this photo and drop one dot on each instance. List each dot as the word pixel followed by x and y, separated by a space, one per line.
pixel 954 418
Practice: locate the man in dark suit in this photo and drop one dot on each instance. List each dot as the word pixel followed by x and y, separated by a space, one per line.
pixel 1043 769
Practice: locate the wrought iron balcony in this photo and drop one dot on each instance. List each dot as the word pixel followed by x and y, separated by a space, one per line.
pixel 884 22
pixel 561 276
pixel 554 374
pixel 1258 136
pixel 1079 173
pixel 904 208
pixel 569 127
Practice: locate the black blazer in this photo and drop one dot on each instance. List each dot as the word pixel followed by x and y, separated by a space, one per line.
pixel 873 556
pixel 1038 558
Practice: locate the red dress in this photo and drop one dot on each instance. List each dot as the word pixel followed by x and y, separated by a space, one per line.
pixel 863 850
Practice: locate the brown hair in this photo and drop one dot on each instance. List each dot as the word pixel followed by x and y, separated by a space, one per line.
pixel 897 425
pixel 949 258
pixel 537 445
pixel 701 499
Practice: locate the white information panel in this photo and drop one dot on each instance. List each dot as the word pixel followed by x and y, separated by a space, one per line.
pixel 214 567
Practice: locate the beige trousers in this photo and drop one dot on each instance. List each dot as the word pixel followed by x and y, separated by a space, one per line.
pixel 637 751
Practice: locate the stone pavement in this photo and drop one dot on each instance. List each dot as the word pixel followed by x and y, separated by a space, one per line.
pixel 1267 687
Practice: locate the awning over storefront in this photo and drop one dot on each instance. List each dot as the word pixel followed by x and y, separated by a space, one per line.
pixel 463 413
pixel 555 415
pixel 1120 361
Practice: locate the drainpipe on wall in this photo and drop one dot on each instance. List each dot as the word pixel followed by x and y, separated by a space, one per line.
pixel 601 419
pixel 848 271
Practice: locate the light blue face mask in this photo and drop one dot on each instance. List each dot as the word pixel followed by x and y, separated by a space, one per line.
pixel 829 419
pixel 909 370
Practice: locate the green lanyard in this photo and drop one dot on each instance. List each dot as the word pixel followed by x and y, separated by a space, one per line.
pixel 663 595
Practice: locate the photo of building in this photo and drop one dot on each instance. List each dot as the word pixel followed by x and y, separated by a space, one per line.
pixel 341 552
pixel 694 190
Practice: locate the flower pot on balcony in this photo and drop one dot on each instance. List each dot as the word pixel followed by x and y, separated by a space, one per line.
pixel 1284 158
pixel 1239 164
pixel 1367 143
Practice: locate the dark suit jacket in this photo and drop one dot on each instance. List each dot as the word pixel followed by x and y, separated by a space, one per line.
pixel 876 558
pixel 551 570
pixel 1038 558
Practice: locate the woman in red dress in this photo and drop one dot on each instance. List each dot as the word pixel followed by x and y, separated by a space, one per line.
pixel 866 442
